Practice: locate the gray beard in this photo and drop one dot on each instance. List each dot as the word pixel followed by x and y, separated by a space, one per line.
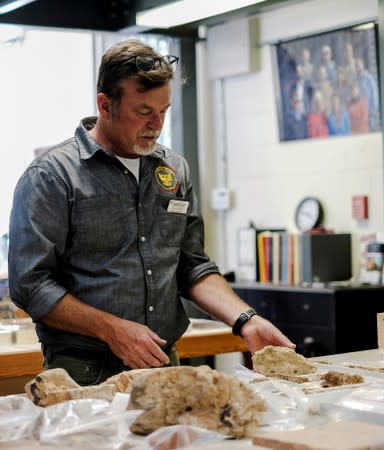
pixel 144 151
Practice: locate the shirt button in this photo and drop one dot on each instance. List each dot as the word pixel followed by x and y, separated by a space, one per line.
pixel 125 171
pixel 149 272
pixel 151 308
pixel 143 239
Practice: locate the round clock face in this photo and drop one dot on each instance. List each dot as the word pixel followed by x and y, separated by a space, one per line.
pixel 309 214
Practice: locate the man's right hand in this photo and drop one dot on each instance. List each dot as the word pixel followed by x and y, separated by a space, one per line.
pixel 136 345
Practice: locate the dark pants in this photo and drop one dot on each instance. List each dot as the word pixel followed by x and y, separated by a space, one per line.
pixel 88 367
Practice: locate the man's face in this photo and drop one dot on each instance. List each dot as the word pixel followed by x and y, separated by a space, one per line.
pixel 135 124
pixel 299 72
pixel 348 52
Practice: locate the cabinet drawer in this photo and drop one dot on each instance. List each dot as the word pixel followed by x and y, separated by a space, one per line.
pixel 259 300
pixel 311 340
pixel 299 308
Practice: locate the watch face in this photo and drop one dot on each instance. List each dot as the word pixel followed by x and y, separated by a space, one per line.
pixel 308 214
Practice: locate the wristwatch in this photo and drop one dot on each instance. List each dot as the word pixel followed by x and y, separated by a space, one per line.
pixel 244 317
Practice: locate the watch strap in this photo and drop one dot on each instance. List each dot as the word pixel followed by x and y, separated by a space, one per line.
pixel 240 321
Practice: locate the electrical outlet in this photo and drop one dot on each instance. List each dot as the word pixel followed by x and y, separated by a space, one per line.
pixel 221 199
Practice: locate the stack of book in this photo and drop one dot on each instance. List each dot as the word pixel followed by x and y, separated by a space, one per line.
pixel 278 257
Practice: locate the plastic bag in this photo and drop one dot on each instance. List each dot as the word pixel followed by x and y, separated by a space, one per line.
pixel 287 406
pixel 18 417
pixel 92 423
pixel 365 403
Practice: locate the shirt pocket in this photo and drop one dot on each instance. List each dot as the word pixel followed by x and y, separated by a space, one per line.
pixel 100 223
pixel 172 225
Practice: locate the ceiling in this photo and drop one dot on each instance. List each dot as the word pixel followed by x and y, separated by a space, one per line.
pixel 105 15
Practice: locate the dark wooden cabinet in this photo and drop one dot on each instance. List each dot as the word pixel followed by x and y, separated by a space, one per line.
pixel 321 321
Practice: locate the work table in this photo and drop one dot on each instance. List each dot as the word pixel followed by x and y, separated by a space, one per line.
pixel 358 358
pixel 21 362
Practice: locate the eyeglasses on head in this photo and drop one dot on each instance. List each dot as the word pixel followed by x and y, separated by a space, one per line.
pixel 145 63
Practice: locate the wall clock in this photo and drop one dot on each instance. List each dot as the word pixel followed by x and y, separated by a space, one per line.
pixel 309 214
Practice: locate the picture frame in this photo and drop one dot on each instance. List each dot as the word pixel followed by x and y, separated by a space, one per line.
pixel 327 84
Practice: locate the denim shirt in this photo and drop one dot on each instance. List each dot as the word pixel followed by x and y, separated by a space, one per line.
pixel 81 224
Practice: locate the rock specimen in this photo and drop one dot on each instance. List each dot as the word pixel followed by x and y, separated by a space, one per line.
pixel 55 386
pixel 280 361
pixel 197 396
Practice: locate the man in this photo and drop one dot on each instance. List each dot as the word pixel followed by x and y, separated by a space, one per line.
pixel 329 63
pixel 358 111
pixel 105 235
pixel 296 121
pixel 302 89
pixel 368 90
pixel 308 67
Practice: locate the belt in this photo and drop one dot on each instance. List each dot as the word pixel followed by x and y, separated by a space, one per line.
pixel 85 353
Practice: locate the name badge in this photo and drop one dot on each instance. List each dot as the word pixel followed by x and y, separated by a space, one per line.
pixel 178 206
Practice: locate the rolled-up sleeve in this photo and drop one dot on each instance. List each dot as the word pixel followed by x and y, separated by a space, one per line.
pixel 194 262
pixel 38 233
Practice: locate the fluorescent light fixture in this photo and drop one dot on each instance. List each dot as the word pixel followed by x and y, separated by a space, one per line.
pixel 364 26
pixel 11 5
pixel 186 11
pixel 10 33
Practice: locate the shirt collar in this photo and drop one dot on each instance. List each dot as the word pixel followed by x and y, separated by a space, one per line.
pixel 87 145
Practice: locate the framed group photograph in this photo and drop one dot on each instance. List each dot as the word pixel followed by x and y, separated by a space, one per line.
pixel 327 84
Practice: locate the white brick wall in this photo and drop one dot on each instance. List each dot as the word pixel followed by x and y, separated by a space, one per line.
pixel 268 177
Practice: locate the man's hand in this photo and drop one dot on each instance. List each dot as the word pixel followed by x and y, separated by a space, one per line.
pixel 259 332
pixel 137 345
pixel 215 296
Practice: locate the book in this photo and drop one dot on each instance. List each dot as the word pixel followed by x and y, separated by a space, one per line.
pixel 258 232
pixel 287 259
pixel 261 264
pixel 276 257
pixel 247 253
pixel 296 258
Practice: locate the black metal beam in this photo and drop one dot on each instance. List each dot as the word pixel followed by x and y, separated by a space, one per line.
pixel 107 15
